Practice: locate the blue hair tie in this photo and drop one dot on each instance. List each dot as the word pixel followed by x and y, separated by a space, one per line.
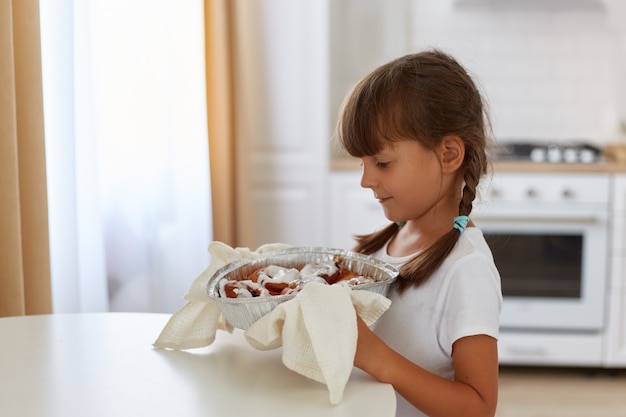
pixel 460 223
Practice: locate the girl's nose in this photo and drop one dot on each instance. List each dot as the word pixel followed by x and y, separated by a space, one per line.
pixel 367 180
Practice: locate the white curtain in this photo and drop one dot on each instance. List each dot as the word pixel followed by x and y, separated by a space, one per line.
pixel 127 152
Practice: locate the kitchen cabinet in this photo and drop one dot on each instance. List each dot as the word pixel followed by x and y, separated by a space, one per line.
pixel 615 341
pixel 615 345
pixel 281 119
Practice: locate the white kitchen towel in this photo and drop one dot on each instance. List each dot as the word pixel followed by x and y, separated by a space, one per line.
pixel 318 331
pixel 196 323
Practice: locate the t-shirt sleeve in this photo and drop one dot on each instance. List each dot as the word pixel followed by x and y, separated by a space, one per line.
pixel 473 299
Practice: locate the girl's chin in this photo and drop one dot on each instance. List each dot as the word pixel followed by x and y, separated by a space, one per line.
pixel 393 218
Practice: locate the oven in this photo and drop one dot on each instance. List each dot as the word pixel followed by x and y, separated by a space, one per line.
pixel 549 236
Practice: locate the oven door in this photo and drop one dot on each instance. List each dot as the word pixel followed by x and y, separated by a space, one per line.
pixel 553 268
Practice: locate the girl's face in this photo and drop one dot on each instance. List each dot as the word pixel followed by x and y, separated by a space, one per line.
pixel 409 182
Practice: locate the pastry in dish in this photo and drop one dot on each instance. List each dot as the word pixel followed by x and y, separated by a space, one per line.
pixel 274 280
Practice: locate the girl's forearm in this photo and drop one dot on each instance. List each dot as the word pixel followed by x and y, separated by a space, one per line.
pixel 430 393
pixel 433 395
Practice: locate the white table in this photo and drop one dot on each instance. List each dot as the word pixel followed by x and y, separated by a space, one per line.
pixel 79 365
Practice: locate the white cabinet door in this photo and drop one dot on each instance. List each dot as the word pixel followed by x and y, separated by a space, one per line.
pixel 281 122
pixel 353 210
pixel 616 332
pixel 615 338
pixel 290 212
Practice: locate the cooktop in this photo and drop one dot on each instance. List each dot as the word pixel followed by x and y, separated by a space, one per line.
pixel 547 152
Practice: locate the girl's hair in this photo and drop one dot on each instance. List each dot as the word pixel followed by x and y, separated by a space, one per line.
pixel 421 97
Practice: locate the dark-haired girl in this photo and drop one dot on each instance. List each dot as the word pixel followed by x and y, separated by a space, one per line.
pixel 419 126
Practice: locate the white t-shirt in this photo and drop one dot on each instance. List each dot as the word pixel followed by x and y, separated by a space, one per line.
pixel 462 298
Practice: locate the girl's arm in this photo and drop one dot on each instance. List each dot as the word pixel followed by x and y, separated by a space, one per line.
pixel 474 391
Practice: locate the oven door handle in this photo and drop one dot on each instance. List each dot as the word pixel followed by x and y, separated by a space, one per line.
pixel 539 219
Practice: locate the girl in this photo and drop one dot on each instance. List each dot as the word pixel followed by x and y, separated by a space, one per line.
pixel 419 127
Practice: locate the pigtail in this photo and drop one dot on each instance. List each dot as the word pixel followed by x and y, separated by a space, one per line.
pixel 372 242
pixel 419 268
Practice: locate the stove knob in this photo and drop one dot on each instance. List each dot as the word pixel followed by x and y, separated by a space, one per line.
pixel 554 154
pixel 567 193
pixel 570 155
pixel 538 155
pixel 587 156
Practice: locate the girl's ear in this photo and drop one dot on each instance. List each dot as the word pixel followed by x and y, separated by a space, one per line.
pixel 452 152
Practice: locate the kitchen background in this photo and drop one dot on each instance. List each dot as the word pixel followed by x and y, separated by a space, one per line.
pixel 552 72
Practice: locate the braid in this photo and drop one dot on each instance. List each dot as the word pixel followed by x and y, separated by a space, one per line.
pixel 369 244
pixel 419 268
pixel 469 192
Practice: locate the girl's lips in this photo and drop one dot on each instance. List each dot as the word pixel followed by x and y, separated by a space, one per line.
pixel 381 200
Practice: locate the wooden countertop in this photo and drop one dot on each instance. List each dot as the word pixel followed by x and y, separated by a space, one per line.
pixel 353 164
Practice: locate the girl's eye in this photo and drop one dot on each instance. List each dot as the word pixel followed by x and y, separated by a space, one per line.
pixel 382 164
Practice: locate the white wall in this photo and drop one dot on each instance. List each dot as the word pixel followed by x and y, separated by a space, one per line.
pixel 551 71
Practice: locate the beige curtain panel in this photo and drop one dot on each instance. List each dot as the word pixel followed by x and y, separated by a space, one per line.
pixel 220 104
pixel 24 247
